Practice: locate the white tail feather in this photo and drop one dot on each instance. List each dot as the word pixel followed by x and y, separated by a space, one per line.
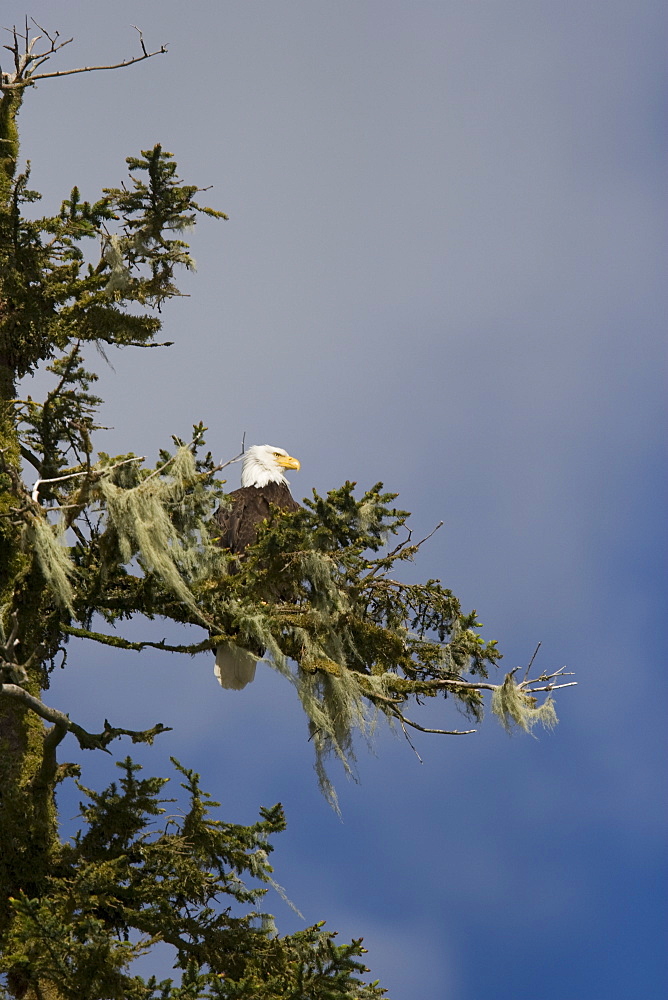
pixel 235 667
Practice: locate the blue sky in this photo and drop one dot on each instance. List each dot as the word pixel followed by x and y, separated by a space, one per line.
pixel 442 270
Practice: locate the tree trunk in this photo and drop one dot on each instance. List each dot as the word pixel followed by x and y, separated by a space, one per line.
pixel 28 830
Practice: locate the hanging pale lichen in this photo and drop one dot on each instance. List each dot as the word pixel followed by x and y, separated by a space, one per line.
pixel 119 277
pixel 319 569
pixel 52 557
pixel 336 708
pixel 514 707
pixel 140 517
pixel 253 629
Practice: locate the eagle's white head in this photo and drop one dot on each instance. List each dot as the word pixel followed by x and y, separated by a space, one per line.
pixel 264 464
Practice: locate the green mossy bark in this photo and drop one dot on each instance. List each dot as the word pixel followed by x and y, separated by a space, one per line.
pixel 28 832
pixel 9 142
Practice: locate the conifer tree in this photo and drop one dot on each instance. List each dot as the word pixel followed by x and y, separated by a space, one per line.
pixel 98 539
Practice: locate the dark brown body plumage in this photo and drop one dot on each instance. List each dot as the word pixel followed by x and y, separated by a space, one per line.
pixel 238 525
pixel 251 505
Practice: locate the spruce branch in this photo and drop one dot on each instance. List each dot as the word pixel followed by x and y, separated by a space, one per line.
pixel 368 693
pixel 195 440
pixel 120 642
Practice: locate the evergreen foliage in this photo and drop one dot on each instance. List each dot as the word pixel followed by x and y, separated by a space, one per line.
pixel 98 539
pixel 137 874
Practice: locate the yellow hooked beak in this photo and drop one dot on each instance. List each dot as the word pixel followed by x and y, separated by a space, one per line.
pixel 288 462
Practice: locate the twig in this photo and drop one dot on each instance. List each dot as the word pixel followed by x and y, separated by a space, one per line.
pixel 427 537
pixel 410 742
pixel 231 461
pixel 74 356
pixel 141 40
pixel 424 729
pixel 387 560
pixel 551 687
pixel 531 661
pixel 556 673
pixel 237 458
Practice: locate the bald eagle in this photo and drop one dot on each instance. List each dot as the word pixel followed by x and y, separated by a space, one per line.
pixel 263 485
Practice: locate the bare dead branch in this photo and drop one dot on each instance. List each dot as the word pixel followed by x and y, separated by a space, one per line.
pixel 549 687
pixel 27 61
pixel 87 741
pixel 94 474
pixel 545 680
pixel 424 729
pixel 92 69
pixel 527 687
